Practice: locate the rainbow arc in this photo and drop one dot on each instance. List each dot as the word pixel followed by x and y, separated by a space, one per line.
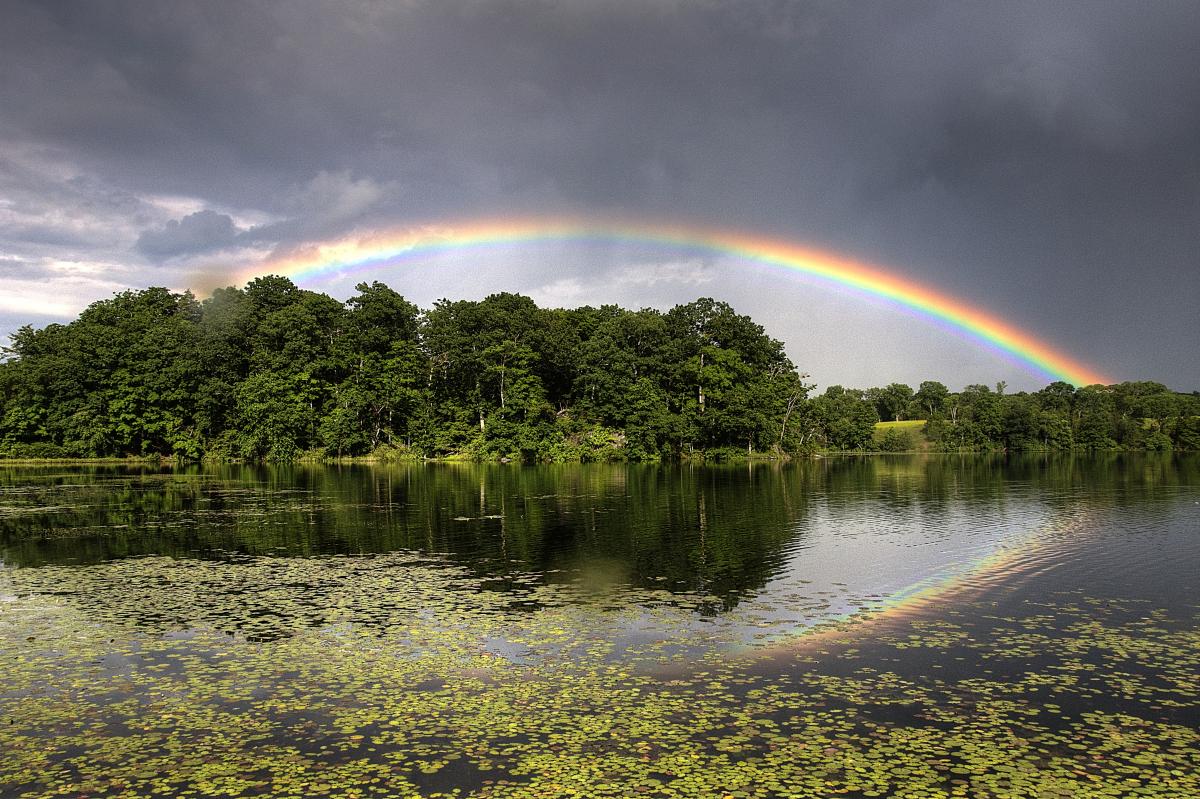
pixel 395 246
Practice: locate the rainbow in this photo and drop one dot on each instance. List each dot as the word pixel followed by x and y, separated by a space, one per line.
pixel 1011 561
pixel 368 251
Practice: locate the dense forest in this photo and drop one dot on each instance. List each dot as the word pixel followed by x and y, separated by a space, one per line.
pixel 275 372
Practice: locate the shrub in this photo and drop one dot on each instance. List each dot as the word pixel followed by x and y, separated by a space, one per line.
pixel 36 450
pixel 394 453
pixel 896 440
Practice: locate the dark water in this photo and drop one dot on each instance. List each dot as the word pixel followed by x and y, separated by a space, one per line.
pixel 921 626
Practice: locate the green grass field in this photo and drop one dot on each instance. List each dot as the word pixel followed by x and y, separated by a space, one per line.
pixel 910 426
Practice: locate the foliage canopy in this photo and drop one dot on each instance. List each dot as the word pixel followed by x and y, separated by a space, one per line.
pixel 272 371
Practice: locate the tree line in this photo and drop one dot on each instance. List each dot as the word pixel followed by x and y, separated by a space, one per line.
pixel 271 371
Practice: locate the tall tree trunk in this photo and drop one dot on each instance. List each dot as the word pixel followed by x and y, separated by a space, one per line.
pixel 790 406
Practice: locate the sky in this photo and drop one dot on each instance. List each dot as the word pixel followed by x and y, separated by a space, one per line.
pixel 1040 162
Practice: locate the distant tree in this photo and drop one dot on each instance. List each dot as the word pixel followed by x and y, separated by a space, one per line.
pixel 1057 398
pixel 982 408
pixel 847 418
pixel 891 402
pixel 932 396
pixel 273 371
pixel 1021 424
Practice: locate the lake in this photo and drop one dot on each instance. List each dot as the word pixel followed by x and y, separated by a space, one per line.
pixel 910 626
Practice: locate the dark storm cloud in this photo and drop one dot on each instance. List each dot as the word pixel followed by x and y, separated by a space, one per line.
pixel 1042 158
pixel 203 231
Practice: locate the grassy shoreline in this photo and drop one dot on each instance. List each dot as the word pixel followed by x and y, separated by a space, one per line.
pixel 142 459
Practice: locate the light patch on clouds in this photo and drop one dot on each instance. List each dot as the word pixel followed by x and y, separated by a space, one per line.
pixel 65 235
pixel 565 293
pixel 52 210
pixel 625 282
pixel 175 206
pixel 688 272
pixel 85 268
pixel 179 206
pixel 59 221
pixel 336 196
pixel 65 291
pixel 29 300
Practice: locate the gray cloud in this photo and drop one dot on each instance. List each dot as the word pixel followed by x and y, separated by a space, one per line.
pixel 203 231
pixel 1040 159
pixel 19 268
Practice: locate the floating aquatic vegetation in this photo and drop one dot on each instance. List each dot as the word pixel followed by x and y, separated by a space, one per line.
pixel 399 676
pixel 374 671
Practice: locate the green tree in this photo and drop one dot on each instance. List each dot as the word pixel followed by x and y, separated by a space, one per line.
pixel 275 415
pixel 892 401
pixel 847 418
pixel 932 397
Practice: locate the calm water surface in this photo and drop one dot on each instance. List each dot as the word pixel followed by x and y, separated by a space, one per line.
pixel 885 626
